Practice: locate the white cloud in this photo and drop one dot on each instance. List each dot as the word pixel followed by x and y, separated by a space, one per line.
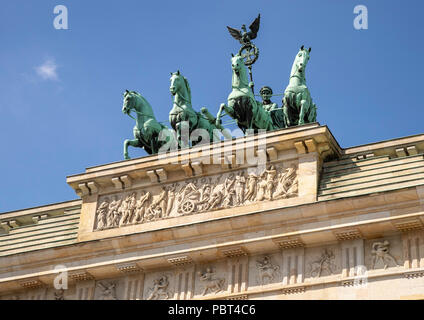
pixel 47 70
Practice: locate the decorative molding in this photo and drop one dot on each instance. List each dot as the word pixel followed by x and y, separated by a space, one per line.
pixel 414 274
pixel 300 147
pixel 85 191
pixel 152 176
pixel 408 225
pixel 347 283
pixel 294 290
pixel 117 183
pixel 188 170
pixel 272 153
pixel 180 261
pixel 401 152
pixel 161 173
pixel 127 268
pixel 240 297
pixel 80 275
pixel 231 252
pixel 31 283
pixel 94 187
pixel 348 234
pixel 412 150
pixel 197 168
pixel 126 180
pixel 310 145
pixel 289 242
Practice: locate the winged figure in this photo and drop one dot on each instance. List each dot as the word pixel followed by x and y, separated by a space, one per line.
pixel 243 36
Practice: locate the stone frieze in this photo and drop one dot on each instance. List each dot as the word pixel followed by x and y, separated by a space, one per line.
pixel 193 196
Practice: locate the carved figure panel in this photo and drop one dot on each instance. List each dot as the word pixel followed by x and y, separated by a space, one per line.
pixel 160 288
pixel 210 281
pixel 107 290
pixel 324 262
pixel 267 271
pixel 194 196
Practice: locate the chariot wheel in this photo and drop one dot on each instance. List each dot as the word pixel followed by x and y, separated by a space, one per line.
pixel 250 53
pixel 187 207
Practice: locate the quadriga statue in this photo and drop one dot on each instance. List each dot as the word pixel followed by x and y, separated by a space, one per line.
pixel 148 132
pixel 297 102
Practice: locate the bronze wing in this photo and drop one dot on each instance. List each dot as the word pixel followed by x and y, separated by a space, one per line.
pixel 235 33
pixel 254 27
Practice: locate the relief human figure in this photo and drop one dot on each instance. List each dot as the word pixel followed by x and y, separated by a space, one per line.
pixel 323 263
pixel 113 214
pixel 215 199
pixel 266 270
pixel 229 193
pixel 211 283
pixel 171 198
pixel 159 290
pixel 127 209
pixel 261 185
pixel 157 208
pixel 252 181
pixel 102 214
pixel 203 203
pixel 287 184
pixel 140 208
pixel 108 291
pixel 270 175
pixel 239 189
pixel 190 191
pixel 380 252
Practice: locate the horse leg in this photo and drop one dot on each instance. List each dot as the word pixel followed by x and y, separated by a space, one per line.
pixel 304 106
pixel 286 111
pixel 132 143
pixel 222 107
pixel 182 129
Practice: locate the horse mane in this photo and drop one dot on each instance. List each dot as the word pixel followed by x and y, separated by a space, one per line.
pixel 188 88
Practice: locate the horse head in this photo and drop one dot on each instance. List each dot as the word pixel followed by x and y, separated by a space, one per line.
pixel 237 63
pixel 129 102
pixel 301 60
pixel 179 85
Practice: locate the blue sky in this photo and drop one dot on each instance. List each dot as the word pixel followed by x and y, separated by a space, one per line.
pixel 61 90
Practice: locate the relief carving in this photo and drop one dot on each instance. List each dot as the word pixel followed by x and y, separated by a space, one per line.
pixel 196 196
pixel 380 252
pixel 160 289
pixel 107 291
pixel 210 282
pixel 59 294
pixel 267 270
pixel 324 264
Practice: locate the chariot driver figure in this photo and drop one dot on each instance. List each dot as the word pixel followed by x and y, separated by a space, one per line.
pixel 272 108
pixel 266 94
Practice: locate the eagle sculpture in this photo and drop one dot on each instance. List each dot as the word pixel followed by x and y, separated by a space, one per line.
pixel 245 37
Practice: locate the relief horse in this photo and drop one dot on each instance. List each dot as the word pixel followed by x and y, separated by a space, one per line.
pixel 297 102
pixel 184 119
pixel 242 106
pixel 148 132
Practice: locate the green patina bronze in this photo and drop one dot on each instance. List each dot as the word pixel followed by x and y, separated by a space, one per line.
pixel 183 118
pixel 148 132
pixel 297 102
pixel 276 113
pixel 242 105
